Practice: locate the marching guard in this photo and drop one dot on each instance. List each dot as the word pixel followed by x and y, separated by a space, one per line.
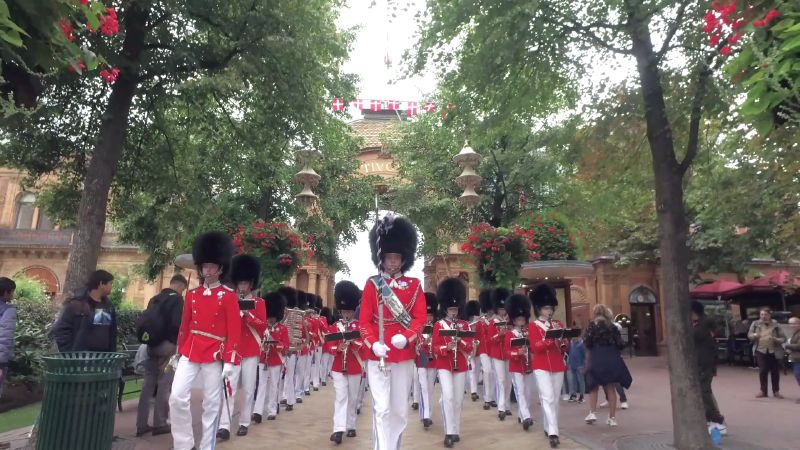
pixel 392 306
pixel 452 362
pixel 498 327
pixel 426 368
pixel 326 319
pixel 321 324
pixel 484 341
pixel 473 313
pixel 208 342
pixel 288 396
pixel 245 274
pixel 312 330
pixel 520 357
pixel 347 362
pixel 275 346
pixel 548 360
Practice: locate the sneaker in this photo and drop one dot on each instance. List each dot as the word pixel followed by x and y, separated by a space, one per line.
pixel 612 422
pixel 723 429
pixel 591 418
pixel 761 395
pixel 623 405
pixel 565 397
pixel 603 404
pixel 572 398
pixel 777 395
pixel 580 399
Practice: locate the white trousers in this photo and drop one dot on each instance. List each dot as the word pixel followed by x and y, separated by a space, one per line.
pixel 344 406
pixel 179 403
pixel 361 390
pixel 425 377
pixel 325 369
pixel 317 368
pixel 389 403
pixel 474 374
pixel 415 389
pixel 267 389
pixel 288 379
pixel 452 399
pixel 244 375
pixel 524 388
pixel 301 375
pixel 489 379
pixel 503 384
pixel 549 385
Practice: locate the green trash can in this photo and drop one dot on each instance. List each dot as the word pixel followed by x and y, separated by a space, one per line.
pixel 80 396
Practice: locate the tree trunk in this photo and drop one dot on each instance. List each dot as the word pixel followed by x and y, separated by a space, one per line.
pixel 91 217
pixel 688 417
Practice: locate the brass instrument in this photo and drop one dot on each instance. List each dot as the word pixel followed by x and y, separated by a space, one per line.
pixel 527 353
pixel 454 340
pixel 294 321
pixel 346 345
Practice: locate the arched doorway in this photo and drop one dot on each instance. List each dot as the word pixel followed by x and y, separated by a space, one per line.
pixel 643 303
pixel 46 277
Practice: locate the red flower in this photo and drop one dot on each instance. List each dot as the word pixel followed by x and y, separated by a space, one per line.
pixel 739 24
pixel 734 39
pixel 80 64
pixel 725 51
pixel 109 76
pixel 108 23
pixel 714 40
pixel 759 23
pixel 66 29
pixel 771 14
pixel 84 2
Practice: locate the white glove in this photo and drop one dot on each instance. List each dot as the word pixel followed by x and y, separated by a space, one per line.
pixel 399 341
pixel 380 350
pixel 227 370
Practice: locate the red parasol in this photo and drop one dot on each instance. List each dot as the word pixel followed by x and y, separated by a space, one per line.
pixel 714 289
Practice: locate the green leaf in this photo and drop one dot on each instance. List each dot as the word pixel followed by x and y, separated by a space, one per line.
pixel 12 37
pixel 791 44
pixel 783 24
pixel 93 21
pixel 764 124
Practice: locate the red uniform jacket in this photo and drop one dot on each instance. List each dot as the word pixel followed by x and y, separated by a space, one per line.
pixel 497 345
pixel 274 354
pixel 313 328
pixel 516 355
pixel 355 349
pixel 425 345
pixel 210 326
pixel 444 357
pixel 482 335
pixel 323 326
pixel 547 352
pixel 409 292
pixel 254 323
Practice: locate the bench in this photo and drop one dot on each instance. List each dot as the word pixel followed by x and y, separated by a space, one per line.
pixel 128 372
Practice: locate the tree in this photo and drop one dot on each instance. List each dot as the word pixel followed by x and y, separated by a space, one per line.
pixel 255 71
pixel 500 43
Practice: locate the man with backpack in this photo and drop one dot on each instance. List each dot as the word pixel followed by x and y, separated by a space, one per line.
pixel 158 328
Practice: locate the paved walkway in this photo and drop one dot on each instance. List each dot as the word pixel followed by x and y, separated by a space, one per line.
pixel 754 424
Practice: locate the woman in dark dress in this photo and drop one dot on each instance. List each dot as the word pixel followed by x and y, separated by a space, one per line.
pixel 604 364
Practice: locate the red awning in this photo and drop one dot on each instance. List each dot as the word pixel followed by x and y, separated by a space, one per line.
pixel 772 282
pixel 714 289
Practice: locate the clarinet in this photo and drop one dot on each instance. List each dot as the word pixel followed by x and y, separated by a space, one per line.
pixel 528 369
pixel 455 349
pixel 346 346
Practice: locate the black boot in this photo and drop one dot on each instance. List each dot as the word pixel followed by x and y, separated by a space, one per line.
pixel 474 397
pixel 223 434
pixel 427 423
pixel 554 442
pixel 324 383
pixel 456 438
pixel 337 437
pixel 493 403
pixel 289 407
pixel 270 417
pixel 527 424
pixel 358 411
pixel 448 441
pixel 486 406
pixel 299 400
pixel 508 412
pixel 351 433
pixel 501 415
pixel 415 406
pixel 242 431
pixel 256 418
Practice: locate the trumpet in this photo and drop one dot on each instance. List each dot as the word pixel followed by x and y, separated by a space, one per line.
pixel 455 347
pixel 346 346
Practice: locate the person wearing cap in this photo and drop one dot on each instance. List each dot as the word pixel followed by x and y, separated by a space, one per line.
pixel 498 327
pixel 472 311
pixel 245 274
pixel 208 342
pixel 483 338
pixel 347 361
pixel 452 361
pixel 548 358
pixel 276 344
pixel 426 367
pixel 520 358
pixel 390 369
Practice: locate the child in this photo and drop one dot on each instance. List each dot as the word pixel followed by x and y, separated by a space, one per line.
pixel 575 364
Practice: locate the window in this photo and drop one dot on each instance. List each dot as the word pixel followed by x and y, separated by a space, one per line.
pixel 44 222
pixel 25 208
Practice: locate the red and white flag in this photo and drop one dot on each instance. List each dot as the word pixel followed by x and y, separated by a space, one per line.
pixel 412 109
pixel 338 104
pixel 393 105
pixel 358 104
pixel 376 106
pixel 430 106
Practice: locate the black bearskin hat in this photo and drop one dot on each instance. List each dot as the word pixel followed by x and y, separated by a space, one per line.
pixel 276 302
pixel 396 235
pixel 543 295
pixel 698 308
pixel 452 293
pixel 499 297
pixel 430 303
pixel 214 247
pixel 245 268
pixel 518 306
pixel 318 303
pixel 485 299
pixel 302 300
pixel 347 295
pixel 290 294
pixel 327 314
pixel 473 309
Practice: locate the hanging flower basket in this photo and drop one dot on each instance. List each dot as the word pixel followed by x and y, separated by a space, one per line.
pixel 498 253
pixel 280 249
pixel 553 239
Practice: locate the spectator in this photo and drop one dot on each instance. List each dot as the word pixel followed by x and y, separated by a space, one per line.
pixel 575 364
pixel 706 347
pixel 768 338
pixel 604 365
pixel 88 321
pixel 8 324
pixel 794 347
pixel 161 345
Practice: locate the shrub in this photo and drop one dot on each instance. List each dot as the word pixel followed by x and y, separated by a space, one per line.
pixel 35 312
pixel 127 314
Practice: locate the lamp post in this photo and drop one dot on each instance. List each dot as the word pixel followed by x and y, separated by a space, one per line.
pixel 467 159
pixel 307 177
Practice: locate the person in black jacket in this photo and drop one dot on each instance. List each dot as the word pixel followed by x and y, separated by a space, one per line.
pixel 169 303
pixel 706 348
pixel 88 321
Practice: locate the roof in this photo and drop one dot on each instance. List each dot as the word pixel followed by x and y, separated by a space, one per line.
pixel 372 126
